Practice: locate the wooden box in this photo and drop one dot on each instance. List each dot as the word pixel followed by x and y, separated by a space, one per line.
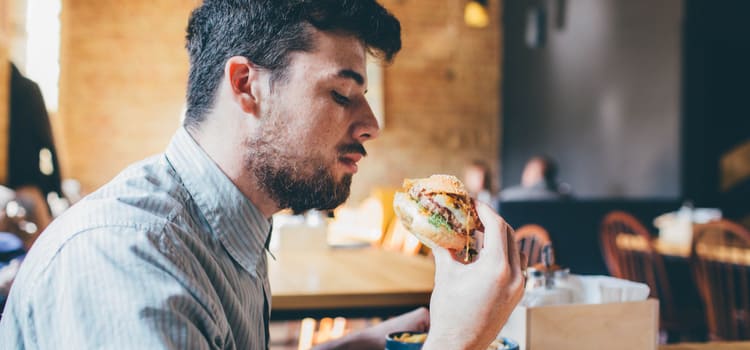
pixel 613 326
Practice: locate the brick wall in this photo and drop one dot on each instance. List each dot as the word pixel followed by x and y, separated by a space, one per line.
pixel 442 96
pixel 5 38
pixel 124 72
pixel 122 83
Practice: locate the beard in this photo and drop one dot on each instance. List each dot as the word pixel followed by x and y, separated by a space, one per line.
pixel 292 188
pixel 299 182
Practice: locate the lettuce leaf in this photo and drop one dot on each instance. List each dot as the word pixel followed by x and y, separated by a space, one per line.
pixel 438 220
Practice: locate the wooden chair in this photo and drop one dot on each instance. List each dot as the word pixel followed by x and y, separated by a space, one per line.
pixel 720 258
pixel 531 239
pixel 629 253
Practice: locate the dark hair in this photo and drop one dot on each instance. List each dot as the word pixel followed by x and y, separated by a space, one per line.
pixel 267 31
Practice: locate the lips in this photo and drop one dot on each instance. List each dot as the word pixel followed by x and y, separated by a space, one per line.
pixel 350 160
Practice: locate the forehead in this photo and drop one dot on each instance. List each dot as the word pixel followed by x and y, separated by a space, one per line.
pixel 332 54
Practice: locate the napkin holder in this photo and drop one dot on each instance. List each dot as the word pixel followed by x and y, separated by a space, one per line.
pixel 601 320
pixel 612 326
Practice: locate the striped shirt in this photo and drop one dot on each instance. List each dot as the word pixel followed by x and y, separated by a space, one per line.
pixel 168 255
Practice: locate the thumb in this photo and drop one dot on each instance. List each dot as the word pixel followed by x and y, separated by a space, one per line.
pixel 495 232
pixel 447 265
pixel 442 257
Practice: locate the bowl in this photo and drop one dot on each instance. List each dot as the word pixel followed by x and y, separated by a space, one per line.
pixel 392 344
pixel 509 344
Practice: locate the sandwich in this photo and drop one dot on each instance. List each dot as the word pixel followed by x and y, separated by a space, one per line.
pixel 439 212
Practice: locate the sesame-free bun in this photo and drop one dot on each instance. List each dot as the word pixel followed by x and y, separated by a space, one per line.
pixel 416 219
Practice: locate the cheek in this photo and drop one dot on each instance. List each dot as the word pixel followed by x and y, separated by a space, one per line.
pixel 323 131
pixel 305 141
pixel 316 128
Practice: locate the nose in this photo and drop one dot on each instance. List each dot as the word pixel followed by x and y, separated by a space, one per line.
pixel 367 127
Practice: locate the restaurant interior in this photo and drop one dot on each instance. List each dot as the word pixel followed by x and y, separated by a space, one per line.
pixel 637 111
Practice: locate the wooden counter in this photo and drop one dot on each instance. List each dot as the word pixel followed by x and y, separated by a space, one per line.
pixel 305 281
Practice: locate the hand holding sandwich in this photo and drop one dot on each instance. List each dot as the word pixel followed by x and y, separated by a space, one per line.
pixel 471 301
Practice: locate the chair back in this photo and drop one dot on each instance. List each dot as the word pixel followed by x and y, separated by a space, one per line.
pixel 629 253
pixel 720 259
pixel 531 239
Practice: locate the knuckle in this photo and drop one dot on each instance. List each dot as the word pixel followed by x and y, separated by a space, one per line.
pixel 502 277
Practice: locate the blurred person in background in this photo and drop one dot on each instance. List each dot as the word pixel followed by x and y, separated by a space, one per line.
pixel 32 157
pixel 171 253
pixel 33 167
pixel 479 184
pixel 538 182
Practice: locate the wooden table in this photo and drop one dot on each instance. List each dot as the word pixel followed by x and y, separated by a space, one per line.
pixel 336 282
pixel 669 249
pixel 719 253
pixel 708 346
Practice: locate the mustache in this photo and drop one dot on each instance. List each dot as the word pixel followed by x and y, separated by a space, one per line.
pixel 352 148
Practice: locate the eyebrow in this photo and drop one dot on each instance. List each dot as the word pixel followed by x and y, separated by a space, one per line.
pixel 348 73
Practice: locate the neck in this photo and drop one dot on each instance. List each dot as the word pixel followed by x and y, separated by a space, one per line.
pixel 221 139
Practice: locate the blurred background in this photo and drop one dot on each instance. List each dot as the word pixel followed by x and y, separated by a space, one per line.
pixel 116 85
pixel 633 99
pixel 640 105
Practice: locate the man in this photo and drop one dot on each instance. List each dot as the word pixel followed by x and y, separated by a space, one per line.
pixel 170 254
pixel 538 182
pixel 32 160
pixel 33 170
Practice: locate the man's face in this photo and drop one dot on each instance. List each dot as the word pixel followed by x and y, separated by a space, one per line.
pixel 312 131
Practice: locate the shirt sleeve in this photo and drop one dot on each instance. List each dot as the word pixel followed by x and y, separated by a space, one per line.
pixel 118 289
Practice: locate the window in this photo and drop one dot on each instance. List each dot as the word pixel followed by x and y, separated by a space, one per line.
pixel 42 59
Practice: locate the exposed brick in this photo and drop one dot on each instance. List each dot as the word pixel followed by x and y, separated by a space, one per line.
pixel 122 83
pixel 124 71
pixel 442 97
pixel 5 38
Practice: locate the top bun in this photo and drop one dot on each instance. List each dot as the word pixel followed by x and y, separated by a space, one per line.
pixel 436 184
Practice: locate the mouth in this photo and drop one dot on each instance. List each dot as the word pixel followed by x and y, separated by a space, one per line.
pixel 349 161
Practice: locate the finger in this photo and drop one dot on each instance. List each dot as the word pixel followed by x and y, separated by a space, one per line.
pixel 442 258
pixel 514 257
pixel 495 240
pixel 524 261
pixel 417 319
pixel 422 319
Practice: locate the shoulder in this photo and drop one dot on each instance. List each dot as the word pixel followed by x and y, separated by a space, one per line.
pixel 138 209
pixel 519 193
pixel 112 279
pixel 129 243
pixel 149 185
pixel 511 193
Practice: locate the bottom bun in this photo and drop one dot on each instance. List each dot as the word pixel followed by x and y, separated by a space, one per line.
pixel 416 220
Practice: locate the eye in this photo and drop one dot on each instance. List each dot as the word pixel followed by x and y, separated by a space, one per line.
pixel 340 99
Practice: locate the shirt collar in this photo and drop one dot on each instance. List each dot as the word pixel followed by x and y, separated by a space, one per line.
pixel 234 220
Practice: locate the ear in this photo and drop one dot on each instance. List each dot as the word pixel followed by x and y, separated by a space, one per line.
pixel 245 81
